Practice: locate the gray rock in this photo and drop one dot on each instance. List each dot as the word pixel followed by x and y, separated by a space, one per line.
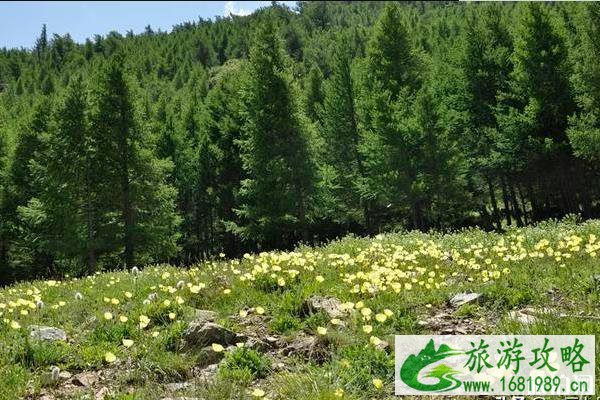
pixel 205 316
pixel 523 318
pixel 257 344
pixel 279 367
pixel 464 298
pixel 65 375
pixel 301 345
pixel 177 386
pixel 382 345
pixel 208 356
pixel 200 334
pixel 329 305
pixel 47 333
pixel 102 393
pixel 209 371
pixel 85 379
pixel 307 347
pixel 528 315
pixel 272 339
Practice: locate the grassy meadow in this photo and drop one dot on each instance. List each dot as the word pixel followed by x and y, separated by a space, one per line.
pixel 125 328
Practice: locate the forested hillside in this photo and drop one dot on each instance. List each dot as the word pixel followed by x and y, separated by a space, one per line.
pixel 259 132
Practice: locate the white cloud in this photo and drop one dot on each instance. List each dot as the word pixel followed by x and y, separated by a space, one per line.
pixel 230 8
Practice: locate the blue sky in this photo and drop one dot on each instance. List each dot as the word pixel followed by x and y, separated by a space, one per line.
pixel 21 21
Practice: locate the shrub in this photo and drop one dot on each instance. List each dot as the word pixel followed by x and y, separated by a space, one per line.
pixel 247 359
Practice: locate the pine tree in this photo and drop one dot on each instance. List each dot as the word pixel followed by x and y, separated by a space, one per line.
pixel 64 214
pixel 28 258
pixel 41 43
pixel 541 73
pixel 314 92
pixel 5 272
pixel 434 170
pixel 584 130
pixel 533 118
pixel 390 78
pixel 485 65
pixel 132 179
pixel 391 61
pixel 342 138
pixel 275 150
pixel 220 165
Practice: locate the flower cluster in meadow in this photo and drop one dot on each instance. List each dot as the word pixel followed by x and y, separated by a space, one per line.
pixel 141 305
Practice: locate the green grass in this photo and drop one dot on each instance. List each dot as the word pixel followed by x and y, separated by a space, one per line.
pixel 411 274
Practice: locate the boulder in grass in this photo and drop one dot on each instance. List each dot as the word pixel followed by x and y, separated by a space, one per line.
pixel 464 298
pixel 209 356
pixel 328 305
pixel 532 315
pixel 47 333
pixel 205 316
pixel 200 334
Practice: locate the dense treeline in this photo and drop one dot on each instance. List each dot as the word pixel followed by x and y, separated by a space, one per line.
pixel 257 132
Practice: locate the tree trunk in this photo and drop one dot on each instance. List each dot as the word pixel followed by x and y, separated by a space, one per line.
pixel 127 211
pixel 496 213
pixel 515 203
pixel 520 194
pixel 506 202
pixel 91 251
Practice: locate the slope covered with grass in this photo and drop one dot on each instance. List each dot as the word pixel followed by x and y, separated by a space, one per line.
pixel 126 330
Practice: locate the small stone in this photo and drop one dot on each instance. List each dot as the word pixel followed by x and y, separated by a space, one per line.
pixel 272 339
pixel 201 334
pixel 308 347
pixel 279 366
pixel 102 393
pixel 205 316
pixel 257 344
pixel 47 333
pixel 208 356
pixel 65 375
pixel 528 315
pixel 177 386
pixel 329 305
pixel 85 379
pixel 522 318
pixel 382 345
pixel 464 298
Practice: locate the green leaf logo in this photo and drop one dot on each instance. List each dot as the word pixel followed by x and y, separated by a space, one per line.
pixel 414 364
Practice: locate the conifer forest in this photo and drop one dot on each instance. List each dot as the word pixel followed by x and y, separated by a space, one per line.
pixel 295 125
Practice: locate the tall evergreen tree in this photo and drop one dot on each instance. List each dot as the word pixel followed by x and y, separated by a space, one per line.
pixel 314 92
pixel 340 131
pixel 64 214
pixel 28 258
pixel 275 151
pixel 220 165
pixel 392 64
pixel 533 119
pixel 485 65
pixel 584 131
pixel 391 78
pixel 133 179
